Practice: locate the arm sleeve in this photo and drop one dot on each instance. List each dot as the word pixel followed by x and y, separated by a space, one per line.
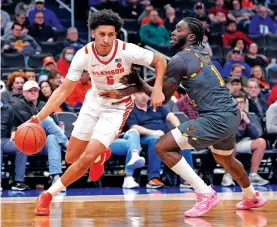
pixel 78 64
pixel 253 27
pixel 176 68
pixel 138 55
pixel 252 131
pixel 21 115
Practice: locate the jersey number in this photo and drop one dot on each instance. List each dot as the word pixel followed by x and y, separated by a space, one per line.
pixel 221 81
pixel 110 80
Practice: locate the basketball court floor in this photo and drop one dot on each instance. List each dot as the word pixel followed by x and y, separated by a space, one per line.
pixel 93 207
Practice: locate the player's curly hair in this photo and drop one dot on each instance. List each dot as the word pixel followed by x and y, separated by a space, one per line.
pixel 196 27
pixel 105 17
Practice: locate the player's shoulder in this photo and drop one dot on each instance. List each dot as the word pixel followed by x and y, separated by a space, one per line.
pixel 85 49
pixel 122 45
pixel 177 59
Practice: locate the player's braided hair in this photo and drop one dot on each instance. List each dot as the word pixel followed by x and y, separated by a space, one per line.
pixel 105 17
pixel 196 28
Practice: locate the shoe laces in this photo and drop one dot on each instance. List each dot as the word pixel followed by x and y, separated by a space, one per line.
pixel 200 200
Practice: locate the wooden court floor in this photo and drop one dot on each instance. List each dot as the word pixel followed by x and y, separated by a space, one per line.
pixel 135 211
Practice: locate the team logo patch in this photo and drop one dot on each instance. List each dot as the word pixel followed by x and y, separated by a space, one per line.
pixel 119 65
pixel 191 129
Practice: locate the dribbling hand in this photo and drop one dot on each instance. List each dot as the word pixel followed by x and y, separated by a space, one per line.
pixel 34 119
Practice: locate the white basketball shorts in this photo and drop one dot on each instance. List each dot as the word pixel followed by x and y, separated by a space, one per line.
pixel 102 120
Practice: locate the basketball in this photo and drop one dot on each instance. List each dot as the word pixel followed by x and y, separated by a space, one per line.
pixel 30 138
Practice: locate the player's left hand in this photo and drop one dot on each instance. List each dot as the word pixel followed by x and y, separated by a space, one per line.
pixel 112 94
pixel 157 98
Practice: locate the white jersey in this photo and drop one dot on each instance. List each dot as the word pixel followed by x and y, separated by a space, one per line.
pixel 105 72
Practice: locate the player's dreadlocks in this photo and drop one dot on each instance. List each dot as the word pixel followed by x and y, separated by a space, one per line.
pixel 105 17
pixel 196 28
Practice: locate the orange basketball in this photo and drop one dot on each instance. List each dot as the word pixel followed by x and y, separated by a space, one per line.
pixel 30 138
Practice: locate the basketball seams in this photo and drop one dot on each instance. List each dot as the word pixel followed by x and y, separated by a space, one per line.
pixel 24 138
pixel 35 141
pixel 17 133
pixel 25 141
pixel 42 133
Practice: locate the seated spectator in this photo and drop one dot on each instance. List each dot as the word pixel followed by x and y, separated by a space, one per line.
pixel 151 126
pixel 24 109
pixel 240 44
pixel 78 95
pixel 20 18
pixel 17 42
pixel 200 12
pixel 233 84
pixel 257 102
pixel 252 58
pixel 271 113
pixel 14 90
pixel 170 20
pixel 185 105
pixel 50 17
pixel 145 12
pixel 232 34
pixel 259 74
pixel 30 73
pixel 8 147
pixel 242 15
pixel 24 7
pixel 133 9
pixel 54 79
pixel 248 141
pixel 154 34
pixel 147 19
pixel 66 57
pixel 45 93
pixel 237 72
pixel 219 14
pixel 5 19
pixel 261 23
pixel 72 39
pixel 40 31
pixel 236 58
pixel 49 64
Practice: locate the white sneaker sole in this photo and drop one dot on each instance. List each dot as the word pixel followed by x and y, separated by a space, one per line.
pixel 138 163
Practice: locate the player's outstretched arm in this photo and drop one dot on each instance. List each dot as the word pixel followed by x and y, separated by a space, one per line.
pixel 157 96
pixel 56 99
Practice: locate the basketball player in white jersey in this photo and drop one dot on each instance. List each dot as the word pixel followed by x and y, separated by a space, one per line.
pixel 100 120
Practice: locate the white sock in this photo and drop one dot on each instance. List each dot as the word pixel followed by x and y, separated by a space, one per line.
pixel 248 192
pixel 183 169
pixel 56 188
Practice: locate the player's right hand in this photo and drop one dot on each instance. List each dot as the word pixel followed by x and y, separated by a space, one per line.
pixel 131 78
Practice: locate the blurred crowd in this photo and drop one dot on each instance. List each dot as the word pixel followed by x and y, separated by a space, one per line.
pixel 37 49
